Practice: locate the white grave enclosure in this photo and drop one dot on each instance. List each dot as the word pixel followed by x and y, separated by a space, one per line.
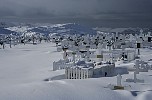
pixel 102 50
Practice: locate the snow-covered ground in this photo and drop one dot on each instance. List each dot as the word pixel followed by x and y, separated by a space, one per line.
pixel 24 69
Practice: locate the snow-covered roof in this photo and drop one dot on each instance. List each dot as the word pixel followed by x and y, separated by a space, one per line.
pixel 104 65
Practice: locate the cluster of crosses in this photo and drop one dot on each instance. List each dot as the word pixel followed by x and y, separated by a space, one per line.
pixel 81 50
pixel 140 66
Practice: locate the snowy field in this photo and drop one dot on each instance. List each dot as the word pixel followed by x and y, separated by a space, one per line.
pixel 24 70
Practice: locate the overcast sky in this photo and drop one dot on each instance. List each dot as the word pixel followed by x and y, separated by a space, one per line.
pixel 77 9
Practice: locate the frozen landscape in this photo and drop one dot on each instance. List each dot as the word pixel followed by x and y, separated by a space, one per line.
pixel 75 49
pixel 26 71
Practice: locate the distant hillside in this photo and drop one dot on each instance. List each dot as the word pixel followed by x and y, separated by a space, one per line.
pixel 5 31
pixel 124 30
pixel 69 28
pixel 58 29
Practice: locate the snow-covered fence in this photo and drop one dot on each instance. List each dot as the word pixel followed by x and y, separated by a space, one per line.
pixel 78 73
pixel 61 64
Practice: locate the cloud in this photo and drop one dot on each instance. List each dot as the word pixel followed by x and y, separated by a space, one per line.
pixel 96 9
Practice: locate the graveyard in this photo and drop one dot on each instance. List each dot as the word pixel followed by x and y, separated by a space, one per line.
pixel 63 67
